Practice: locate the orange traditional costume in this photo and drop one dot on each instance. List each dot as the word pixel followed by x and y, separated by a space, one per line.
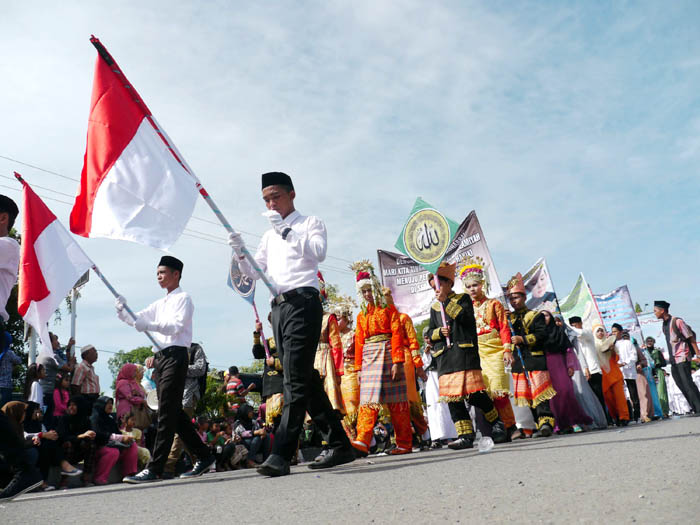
pixel 378 346
pixel 494 340
pixel 613 381
pixel 349 384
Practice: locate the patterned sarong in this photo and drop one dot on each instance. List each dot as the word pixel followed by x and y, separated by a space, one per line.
pixel 492 368
pixel 350 388
pixel 458 385
pixel 541 390
pixel 376 386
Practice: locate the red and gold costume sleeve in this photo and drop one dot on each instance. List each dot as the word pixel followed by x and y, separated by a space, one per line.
pixel 411 340
pixel 336 344
pixel 360 330
pixel 397 353
pixel 499 320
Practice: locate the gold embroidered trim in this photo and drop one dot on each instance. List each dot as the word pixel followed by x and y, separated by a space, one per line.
pixel 492 415
pixel 453 309
pixel 378 338
pixel 530 339
pixel 464 427
pixel 436 336
pixel 545 420
pixel 548 393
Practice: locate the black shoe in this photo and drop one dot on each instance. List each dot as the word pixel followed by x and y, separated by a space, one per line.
pixel 202 466
pixel 167 475
pixel 274 466
pixel 22 483
pixel 624 422
pixel 334 457
pixel 425 444
pixel 322 455
pixel 544 431
pixel 498 432
pixel 145 476
pixel 462 442
pixel 436 444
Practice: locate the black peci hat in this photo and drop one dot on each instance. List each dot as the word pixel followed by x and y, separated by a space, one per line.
pixel 575 319
pixel 171 262
pixel 276 178
pixel 662 304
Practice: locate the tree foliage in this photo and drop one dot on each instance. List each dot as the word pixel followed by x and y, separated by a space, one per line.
pixel 15 325
pixel 637 308
pixel 136 356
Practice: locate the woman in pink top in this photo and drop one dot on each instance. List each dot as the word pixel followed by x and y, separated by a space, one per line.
pixel 61 394
pixel 128 393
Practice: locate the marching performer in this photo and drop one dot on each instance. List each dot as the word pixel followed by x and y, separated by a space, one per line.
pixel 329 354
pixel 170 321
pixel 495 348
pixel 379 358
pixel 290 252
pixel 458 364
pixel 349 384
pixel 531 383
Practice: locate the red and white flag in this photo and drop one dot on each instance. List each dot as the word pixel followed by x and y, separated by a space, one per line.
pixel 134 185
pixel 51 262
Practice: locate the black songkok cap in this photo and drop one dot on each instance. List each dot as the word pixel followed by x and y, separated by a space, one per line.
pixel 276 178
pixel 171 262
pixel 662 304
pixel 618 326
pixel 575 319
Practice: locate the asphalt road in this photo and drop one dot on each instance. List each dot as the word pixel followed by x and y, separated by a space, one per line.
pixel 644 474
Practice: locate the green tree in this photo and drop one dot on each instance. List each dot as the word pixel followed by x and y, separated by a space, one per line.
pixel 419 331
pixel 637 308
pixel 15 326
pixel 137 356
pixel 213 404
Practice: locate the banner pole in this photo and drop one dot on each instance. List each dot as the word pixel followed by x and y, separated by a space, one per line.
pixel 262 335
pixel 107 57
pixel 73 316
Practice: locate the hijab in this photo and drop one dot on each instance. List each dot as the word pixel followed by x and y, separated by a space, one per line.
pixel 31 425
pixel 245 416
pixel 557 342
pixel 14 410
pixel 72 425
pixel 102 423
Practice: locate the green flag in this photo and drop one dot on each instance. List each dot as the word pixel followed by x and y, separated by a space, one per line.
pixel 426 235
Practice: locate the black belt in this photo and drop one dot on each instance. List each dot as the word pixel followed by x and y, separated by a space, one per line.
pixel 286 296
pixel 170 351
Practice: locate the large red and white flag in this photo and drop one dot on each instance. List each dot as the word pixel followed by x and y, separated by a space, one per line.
pixel 134 185
pixel 51 262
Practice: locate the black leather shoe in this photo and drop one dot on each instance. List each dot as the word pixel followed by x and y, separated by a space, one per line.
pixel 274 466
pixel 202 466
pixel 498 432
pixel 462 443
pixel 544 431
pixel 333 458
pixel 145 476
pixel 322 455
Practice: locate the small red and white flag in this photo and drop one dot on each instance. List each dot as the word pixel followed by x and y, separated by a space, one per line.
pixel 134 184
pixel 51 262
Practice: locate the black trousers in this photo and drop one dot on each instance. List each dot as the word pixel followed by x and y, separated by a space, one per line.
pixel 171 368
pixel 459 410
pixel 683 378
pixel 634 396
pixel 297 327
pixel 596 384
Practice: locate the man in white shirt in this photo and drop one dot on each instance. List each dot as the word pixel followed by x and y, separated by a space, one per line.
pixel 9 255
pixel 628 363
pixel 170 321
pixel 290 253
pixel 584 342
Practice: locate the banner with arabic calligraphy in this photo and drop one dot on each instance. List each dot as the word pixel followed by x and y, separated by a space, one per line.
pixel 580 303
pixel 408 280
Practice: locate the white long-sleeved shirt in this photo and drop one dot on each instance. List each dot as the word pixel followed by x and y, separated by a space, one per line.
pixel 9 265
pixel 169 319
pixel 585 350
pixel 292 262
pixel 628 355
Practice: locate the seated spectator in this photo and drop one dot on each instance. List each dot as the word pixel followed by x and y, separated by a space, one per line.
pixel 8 360
pixel 202 427
pixel 16 452
pixel 129 393
pixel 128 429
pixel 253 436
pixel 54 361
pixel 216 440
pixel 112 445
pixel 76 438
pixel 61 394
pixel 32 387
pixel 46 442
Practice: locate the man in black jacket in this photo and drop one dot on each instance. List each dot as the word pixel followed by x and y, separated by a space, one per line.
pixel 272 378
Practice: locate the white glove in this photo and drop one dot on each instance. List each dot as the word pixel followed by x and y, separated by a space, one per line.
pixel 141 324
pixel 276 221
pixel 120 303
pixel 235 241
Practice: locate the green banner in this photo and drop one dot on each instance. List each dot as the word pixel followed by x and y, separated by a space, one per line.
pixel 426 236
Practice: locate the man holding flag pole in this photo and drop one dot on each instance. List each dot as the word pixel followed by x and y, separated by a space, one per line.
pixel 291 251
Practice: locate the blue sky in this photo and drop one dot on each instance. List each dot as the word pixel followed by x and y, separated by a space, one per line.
pixel 573 129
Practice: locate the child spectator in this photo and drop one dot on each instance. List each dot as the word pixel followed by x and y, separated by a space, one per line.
pixel 128 429
pixel 32 387
pixel 61 394
pixel 202 428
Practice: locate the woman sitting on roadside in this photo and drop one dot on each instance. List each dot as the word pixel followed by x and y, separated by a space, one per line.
pixel 112 445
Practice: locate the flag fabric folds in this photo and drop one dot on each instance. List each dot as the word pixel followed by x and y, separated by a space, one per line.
pixel 51 262
pixel 134 185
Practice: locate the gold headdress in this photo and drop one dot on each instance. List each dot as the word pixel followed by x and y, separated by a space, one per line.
pixel 516 285
pixel 364 276
pixel 474 269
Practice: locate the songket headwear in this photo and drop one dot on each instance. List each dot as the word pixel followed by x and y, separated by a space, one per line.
pixel 444 270
pixel 364 277
pixel 662 304
pixel 516 285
